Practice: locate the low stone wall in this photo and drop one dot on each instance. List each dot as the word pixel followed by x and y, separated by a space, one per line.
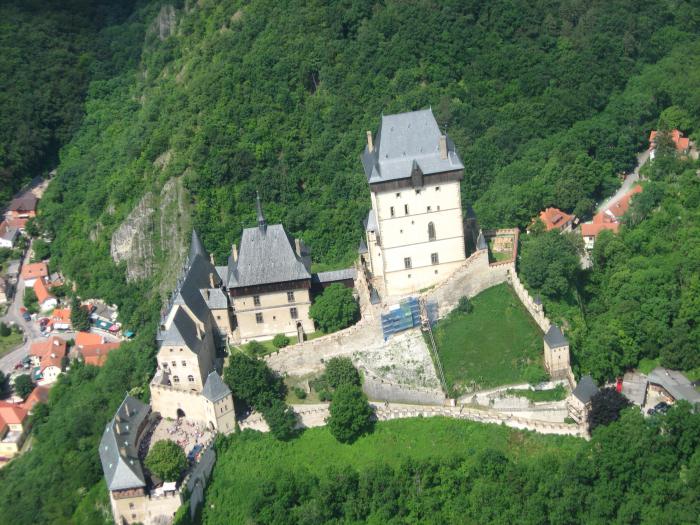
pixel 378 389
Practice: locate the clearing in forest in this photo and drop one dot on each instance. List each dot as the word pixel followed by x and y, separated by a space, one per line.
pixel 497 343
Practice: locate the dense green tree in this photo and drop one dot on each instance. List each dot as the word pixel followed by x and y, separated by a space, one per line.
pixel 30 300
pixel 280 341
pixel 281 419
pixel 4 330
pixel 334 309
pixel 79 316
pixel 251 381
pixel 42 250
pixel 340 371
pixel 23 385
pixel 350 413
pixel 606 406
pixel 166 459
pixel 549 263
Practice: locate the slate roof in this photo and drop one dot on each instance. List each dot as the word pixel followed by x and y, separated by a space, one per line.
pixel 403 140
pixel 585 389
pixel 215 298
pixel 222 272
pixel 118 452
pixel 481 242
pixel 182 331
pixel 370 222
pixel 555 338
pixel 335 275
pixel 214 388
pixel 675 384
pixel 26 202
pixel 362 248
pixel 266 256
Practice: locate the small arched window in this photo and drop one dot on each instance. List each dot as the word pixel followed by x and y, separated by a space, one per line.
pixel 190 379
pixel 431 231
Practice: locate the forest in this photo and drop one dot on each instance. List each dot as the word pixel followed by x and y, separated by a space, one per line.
pixel 547 102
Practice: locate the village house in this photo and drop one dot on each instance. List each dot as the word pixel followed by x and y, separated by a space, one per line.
pixel 96 354
pixel 47 355
pixel 8 235
pixel 555 219
pixel 578 403
pixel 46 300
pixel 33 271
pixel 608 219
pixel 40 394
pixel 60 319
pixel 414 229
pixel 13 429
pixel 673 386
pixel 681 143
pixel 22 207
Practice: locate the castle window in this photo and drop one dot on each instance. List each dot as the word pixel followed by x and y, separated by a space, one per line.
pixel 131 505
pixel 431 231
pixel 218 318
pixel 428 209
pixel 437 188
pixel 190 379
pixel 174 363
pixel 293 312
pixel 258 318
pixel 398 195
pixel 391 211
pixel 405 209
pixel 256 300
pixel 184 363
pixel 407 263
pixel 290 297
pixel 434 258
pixel 417 192
pixel 176 379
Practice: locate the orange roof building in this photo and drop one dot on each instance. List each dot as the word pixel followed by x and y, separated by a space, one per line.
pixel 12 414
pixel 555 219
pixel 33 271
pixel 52 345
pixel 86 338
pixel 60 318
pixel 96 355
pixel 608 219
pixel 40 394
pixel 46 300
pixel 682 143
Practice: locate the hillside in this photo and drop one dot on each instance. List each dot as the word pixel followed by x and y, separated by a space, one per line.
pixel 190 107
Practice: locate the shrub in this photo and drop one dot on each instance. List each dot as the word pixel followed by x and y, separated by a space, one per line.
pixel 335 309
pixel 31 303
pixel 4 330
pixel 280 341
pixel 340 371
pixel 465 306
pixel 299 392
pixel 281 419
pixel 166 460
pixel 350 414
pixel 255 348
pixel 535 375
pixel 23 386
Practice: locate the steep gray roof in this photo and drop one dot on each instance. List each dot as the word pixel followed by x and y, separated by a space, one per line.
pixel 26 202
pixel 555 338
pixel 267 255
pixel 675 384
pixel 335 275
pixel 214 388
pixel 9 234
pixel 370 222
pixel 481 242
pixel 404 140
pixel 118 452
pixel 215 298
pixel 182 331
pixel 585 389
pixel 362 248
pixel 222 272
pixel 196 246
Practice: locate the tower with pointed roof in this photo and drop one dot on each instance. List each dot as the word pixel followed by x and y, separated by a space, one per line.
pixel 414 230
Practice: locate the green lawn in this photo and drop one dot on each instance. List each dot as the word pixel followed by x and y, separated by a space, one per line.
pixel 553 394
pixel 250 462
pixel 10 342
pixel 492 345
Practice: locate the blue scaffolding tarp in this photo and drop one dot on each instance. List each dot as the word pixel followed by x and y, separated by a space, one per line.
pixel 402 317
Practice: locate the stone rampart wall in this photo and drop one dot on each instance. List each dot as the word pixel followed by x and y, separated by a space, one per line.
pixel 535 310
pixel 378 389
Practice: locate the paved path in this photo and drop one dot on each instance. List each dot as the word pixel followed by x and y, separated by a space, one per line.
pixel 626 186
pixel 315 416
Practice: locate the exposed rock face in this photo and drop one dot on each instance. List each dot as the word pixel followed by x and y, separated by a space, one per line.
pixel 154 237
pixel 165 22
pixel 132 242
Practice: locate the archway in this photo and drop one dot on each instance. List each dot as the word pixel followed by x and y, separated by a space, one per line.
pixel 180 413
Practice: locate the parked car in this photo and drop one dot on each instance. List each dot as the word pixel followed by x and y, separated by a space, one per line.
pixel 26 316
pixel 662 407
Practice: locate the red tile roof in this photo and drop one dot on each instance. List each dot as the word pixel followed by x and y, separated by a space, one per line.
pixel 16 223
pixel 41 291
pixel 40 394
pixel 60 315
pixel 12 414
pixel 610 218
pixel 682 143
pixel 555 218
pixel 51 360
pixel 86 338
pixel 34 270
pixel 26 202
pixel 620 207
pixel 52 345
pixel 96 355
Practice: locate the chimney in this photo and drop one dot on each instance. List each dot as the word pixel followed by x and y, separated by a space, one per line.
pixel 234 252
pixel 297 245
pixel 211 259
pixel 370 144
pixel 443 146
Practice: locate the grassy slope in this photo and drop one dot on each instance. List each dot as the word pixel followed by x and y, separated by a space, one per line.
pixel 10 342
pixel 248 464
pixel 492 345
